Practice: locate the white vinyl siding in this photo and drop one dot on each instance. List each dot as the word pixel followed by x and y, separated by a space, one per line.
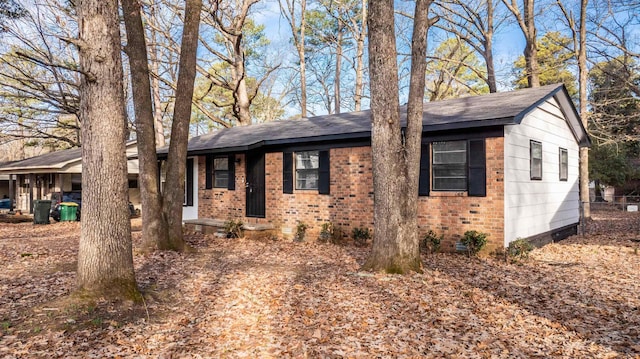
pixel 535 207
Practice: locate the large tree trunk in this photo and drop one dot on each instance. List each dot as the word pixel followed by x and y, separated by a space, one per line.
pixel 105 260
pixel 241 108
pixel 531 49
pixel 584 114
pixel 395 164
pixel 177 158
pixel 154 225
pixel 488 49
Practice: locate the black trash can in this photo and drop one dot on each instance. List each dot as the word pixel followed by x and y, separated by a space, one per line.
pixel 41 209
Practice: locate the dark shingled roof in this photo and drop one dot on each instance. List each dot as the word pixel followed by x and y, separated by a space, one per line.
pixel 497 109
pixel 57 159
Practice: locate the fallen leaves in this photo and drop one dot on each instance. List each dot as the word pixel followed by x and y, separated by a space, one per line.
pixel 240 298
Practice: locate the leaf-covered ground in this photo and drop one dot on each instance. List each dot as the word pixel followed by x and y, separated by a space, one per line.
pixel 238 298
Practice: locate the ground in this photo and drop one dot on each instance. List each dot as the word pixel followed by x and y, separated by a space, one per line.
pixel 258 299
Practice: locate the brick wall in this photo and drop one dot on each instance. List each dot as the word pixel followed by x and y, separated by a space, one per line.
pixel 350 203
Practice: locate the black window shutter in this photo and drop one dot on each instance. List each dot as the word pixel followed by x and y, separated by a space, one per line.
pixel 324 175
pixel 477 169
pixel 231 185
pixel 189 183
pixel 423 184
pixel 287 172
pixel 209 172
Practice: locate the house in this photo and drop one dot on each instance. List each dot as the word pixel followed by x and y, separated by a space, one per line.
pixel 504 163
pixel 44 176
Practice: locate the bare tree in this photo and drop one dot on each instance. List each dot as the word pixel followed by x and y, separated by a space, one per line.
pixel 475 23
pixel 395 159
pixel 177 157
pixel 154 224
pixel 526 22
pixel 296 17
pixel 38 77
pixel 578 28
pixel 230 19
pixel 105 259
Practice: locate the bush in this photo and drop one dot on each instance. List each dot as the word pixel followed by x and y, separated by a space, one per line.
pixel 430 243
pixel 233 228
pixel 519 249
pixel 360 236
pixel 474 241
pixel 326 232
pixel 301 231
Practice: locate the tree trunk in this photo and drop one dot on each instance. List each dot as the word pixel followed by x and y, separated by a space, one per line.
pixel 488 49
pixel 241 107
pixel 531 49
pixel 360 59
pixel 154 225
pixel 395 164
pixel 336 83
pixel 177 158
pixel 301 55
pixel 584 113
pixel 105 260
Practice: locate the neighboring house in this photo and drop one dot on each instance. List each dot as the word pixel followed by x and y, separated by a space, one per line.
pixel 504 163
pixel 41 176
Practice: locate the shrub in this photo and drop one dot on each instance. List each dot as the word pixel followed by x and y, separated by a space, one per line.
pixel 326 232
pixel 360 236
pixel 301 231
pixel 519 249
pixel 430 243
pixel 474 241
pixel 233 228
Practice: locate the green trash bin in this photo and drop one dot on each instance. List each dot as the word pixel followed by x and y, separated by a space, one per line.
pixel 41 209
pixel 68 211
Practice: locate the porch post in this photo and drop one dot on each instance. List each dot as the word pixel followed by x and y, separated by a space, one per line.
pixel 12 194
pixel 31 180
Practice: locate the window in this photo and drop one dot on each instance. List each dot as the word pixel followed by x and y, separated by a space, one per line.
pixel 536 160
pixel 564 164
pixel 307 164
pixel 449 163
pixel 221 172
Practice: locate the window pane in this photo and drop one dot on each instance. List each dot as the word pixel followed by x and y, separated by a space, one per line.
pixel 564 164
pixel 307 160
pixel 306 179
pixel 536 160
pixel 221 164
pixel 307 164
pixel 449 166
pixel 450 184
pixel 221 179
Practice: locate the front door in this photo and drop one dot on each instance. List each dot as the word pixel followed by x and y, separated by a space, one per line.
pixel 255 184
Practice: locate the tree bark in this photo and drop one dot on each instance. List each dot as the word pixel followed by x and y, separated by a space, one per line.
pixel 584 113
pixel 395 160
pixel 527 25
pixel 336 83
pixel 488 49
pixel 177 157
pixel 531 48
pixel 362 36
pixel 154 225
pixel 105 260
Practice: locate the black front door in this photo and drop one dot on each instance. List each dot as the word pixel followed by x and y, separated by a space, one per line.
pixel 255 185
